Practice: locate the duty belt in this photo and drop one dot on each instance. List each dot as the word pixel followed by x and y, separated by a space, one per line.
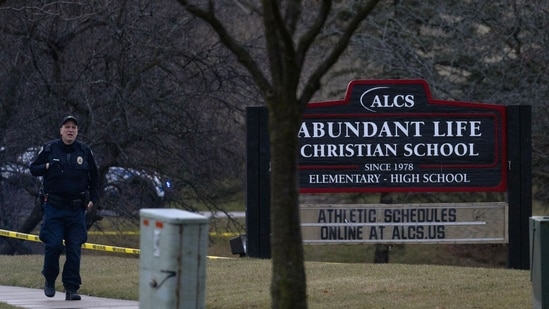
pixel 58 201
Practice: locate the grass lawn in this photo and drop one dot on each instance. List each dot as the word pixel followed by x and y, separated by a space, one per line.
pixel 338 276
pixel 245 283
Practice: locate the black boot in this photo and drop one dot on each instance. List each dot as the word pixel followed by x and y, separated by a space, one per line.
pixel 49 289
pixel 72 295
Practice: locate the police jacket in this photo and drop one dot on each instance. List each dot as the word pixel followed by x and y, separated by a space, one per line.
pixel 72 169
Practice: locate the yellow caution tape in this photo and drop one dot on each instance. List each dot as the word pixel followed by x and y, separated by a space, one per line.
pixel 114 233
pixel 110 248
pixel 19 235
pixel 89 246
pixel 136 233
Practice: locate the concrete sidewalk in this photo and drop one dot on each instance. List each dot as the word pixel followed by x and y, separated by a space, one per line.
pixel 35 299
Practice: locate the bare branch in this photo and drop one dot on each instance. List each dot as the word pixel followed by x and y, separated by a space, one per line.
pixel 313 83
pixel 241 53
pixel 308 38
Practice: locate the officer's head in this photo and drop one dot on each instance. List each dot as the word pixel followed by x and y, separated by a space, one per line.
pixel 69 129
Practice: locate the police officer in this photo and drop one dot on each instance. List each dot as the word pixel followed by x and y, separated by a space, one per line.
pixel 70 182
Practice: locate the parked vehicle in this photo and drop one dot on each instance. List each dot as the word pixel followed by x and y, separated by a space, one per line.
pixel 125 190
pixel 129 190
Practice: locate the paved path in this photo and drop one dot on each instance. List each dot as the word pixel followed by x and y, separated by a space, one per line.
pixel 35 299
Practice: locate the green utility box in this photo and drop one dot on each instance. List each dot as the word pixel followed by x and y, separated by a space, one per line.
pixel 539 255
pixel 172 260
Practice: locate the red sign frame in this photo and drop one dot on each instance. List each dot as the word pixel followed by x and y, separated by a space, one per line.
pixel 392 136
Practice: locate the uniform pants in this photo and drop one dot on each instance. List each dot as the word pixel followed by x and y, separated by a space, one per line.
pixel 63 224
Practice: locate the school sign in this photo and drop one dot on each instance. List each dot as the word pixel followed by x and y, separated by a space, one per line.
pixel 391 136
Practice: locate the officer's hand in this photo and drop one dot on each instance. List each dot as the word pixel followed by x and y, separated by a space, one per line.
pixel 90 205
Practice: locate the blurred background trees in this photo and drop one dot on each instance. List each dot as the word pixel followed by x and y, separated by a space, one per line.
pixel 161 101
pixel 157 100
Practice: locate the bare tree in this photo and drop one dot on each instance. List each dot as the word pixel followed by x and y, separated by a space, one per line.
pixel 291 31
pixel 153 94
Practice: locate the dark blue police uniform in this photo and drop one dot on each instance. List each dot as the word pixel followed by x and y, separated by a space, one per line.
pixel 69 182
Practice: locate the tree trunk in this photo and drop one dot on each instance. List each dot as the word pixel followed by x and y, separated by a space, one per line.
pixel 288 288
pixel 382 250
pixel 382 254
